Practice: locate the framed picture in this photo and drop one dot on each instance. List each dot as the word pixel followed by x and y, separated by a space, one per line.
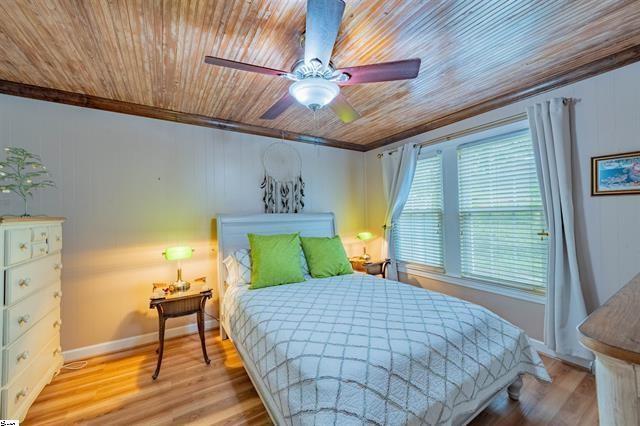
pixel 616 174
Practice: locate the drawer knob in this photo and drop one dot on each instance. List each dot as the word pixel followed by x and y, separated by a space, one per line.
pixel 24 282
pixel 57 323
pixel 57 294
pixel 57 266
pixel 22 246
pixel 24 319
pixel 43 250
pixel 22 393
pixel 43 234
pixel 57 351
pixel 24 355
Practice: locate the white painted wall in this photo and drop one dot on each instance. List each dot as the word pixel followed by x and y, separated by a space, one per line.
pixel 131 186
pixel 607 121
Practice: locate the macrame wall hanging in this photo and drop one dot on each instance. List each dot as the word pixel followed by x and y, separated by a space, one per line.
pixel 283 187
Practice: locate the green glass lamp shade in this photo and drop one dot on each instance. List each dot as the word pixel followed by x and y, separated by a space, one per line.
pixel 178 253
pixel 364 236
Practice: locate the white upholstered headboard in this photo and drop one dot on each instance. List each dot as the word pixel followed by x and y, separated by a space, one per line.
pixel 233 230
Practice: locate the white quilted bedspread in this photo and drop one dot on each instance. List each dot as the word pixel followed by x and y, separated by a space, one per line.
pixel 356 349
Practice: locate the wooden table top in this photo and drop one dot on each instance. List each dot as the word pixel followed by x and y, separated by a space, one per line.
pixel 614 328
pixel 19 219
pixel 196 289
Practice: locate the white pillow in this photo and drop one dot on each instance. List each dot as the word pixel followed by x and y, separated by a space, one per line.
pixel 243 259
pixel 238 266
pixel 231 265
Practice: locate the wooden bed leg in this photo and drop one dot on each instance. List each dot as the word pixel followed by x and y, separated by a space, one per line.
pixel 514 388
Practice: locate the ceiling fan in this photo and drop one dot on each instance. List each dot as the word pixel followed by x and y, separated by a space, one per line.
pixel 316 82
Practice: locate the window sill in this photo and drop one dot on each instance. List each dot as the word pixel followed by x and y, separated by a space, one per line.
pixel 514 293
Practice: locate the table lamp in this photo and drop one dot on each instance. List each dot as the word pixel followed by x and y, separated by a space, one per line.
pixel 365 236
pixel 179 253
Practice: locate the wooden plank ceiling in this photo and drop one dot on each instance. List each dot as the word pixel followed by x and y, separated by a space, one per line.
pixel 151 53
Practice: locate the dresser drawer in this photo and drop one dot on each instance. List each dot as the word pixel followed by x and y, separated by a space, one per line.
pixel 25 279
pixel 39 249
pixel 39 233
pixel 27 385
pixel 18 356
pixel 17 245
pixel 55 238
pixel 23 315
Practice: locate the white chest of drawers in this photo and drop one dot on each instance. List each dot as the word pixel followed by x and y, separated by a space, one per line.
pixel 30 257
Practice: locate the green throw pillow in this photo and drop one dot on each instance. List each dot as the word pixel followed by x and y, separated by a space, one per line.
pixel 326 256
pixel 275 260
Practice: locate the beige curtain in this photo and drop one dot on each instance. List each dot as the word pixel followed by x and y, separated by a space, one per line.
pixel 565 309
pixel 398 168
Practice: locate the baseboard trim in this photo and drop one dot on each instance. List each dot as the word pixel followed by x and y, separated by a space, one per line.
pixel 132 342
pixel 543 349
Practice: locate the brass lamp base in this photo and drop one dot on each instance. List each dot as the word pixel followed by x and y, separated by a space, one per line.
pixel 365 257
pixel 182 285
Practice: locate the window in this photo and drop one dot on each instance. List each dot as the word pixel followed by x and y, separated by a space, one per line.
pixel 475 212
pixel 418 231
pixel 501 213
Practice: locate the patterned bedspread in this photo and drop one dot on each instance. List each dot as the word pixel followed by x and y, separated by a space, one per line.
pixel 357 349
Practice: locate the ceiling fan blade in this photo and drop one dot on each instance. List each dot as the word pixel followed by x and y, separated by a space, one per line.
pixel 323 22
pixel 227 63
pixel 279 107
pixel 343 109
pixel 386 71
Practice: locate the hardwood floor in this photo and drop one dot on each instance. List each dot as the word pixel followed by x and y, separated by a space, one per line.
pixel 118 390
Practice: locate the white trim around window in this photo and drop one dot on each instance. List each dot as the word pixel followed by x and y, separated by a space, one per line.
pixel 485 286
pixel 451 269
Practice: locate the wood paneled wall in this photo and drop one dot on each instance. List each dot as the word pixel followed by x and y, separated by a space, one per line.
pixel 130 186
pixel 606 121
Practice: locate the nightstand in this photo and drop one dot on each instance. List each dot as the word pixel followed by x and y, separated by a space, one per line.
pixel 370 267
pixel 178 304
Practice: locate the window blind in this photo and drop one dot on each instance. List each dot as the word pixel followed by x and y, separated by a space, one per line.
pixel 501 213
pixel 417 234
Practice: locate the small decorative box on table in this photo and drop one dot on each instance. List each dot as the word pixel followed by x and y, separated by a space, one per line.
pixel 178 304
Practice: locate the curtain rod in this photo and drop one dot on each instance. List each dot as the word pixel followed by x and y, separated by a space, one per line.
pixel 475 129
pixel 471 130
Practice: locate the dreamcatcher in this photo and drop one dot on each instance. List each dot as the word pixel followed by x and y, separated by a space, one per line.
pixel 283 187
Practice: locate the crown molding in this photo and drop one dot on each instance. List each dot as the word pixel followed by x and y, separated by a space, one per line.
pixel 95 102
pixel 616 60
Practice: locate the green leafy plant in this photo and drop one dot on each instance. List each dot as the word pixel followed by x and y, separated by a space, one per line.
pixel 22 173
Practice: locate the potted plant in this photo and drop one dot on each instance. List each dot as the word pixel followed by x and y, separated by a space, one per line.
pixel 22 173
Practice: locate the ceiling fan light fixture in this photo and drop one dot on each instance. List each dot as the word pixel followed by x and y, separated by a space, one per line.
pixel 314 93
pixel 316 80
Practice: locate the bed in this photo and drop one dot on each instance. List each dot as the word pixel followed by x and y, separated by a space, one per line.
pixel 357 349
